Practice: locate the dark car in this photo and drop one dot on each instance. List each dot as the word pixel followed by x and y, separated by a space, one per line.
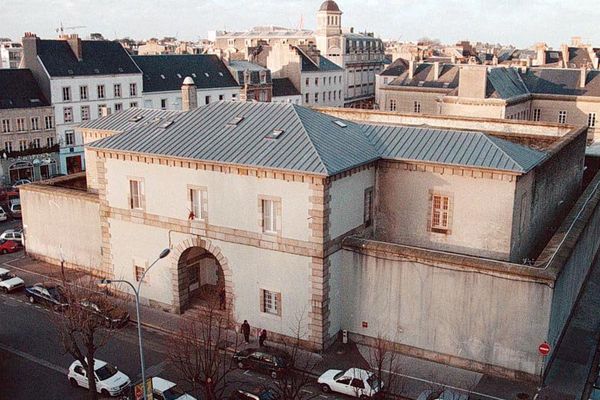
pixel 49 294
pixel 252 393
pixel 111 315
pixel 271 361
pixel 8 246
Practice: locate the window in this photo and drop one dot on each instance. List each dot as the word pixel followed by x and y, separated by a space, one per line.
pixel 49 122
pixel 440 213
pixel 163 104
pixel 206 99
pixel 101 109
pixel 136 194
pixel 270 302
pixel 234 96
pixel 307 82
pixel 117 89
pixel 133 104
pixel 306 98
pixel 221 97
pixel 85 113
pixel 368 206
pixel 36 144
pixel 69 138
pixel 316 97
pixel 417 107
pixel 50 142
pixel 393 105
pixel 68 114
pixel 592 120
pixel 21 125
pixel 66 92
pixel 198 198
pixel 8 147
pixel 22 145
pixel 324 97
pixel 537 113
pixel 269 215
pixel 330 80
pixel 101 93
pixel 139 271
pixel 316 81
pixel 562 117
pixel 35 123
pixel 5 125
pixel 118 106
pixel 83 92
pixel 132 89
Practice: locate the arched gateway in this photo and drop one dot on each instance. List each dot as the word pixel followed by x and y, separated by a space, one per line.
pixel 201 276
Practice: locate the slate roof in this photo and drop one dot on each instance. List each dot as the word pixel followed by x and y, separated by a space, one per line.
pixel 506 83
pixel 396 68
pixel 132 118
pixel 451 147
pixel 98 57
pixel 561 82
pixel 243 65
pixel 19 89
pixel 579 57
pixel 309 141
pixel 284 87
pixel 165 73
pixel 308 65
pixel 424 77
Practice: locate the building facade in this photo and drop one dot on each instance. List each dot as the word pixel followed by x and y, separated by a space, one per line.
pixel 254 80
pixel 83 80
pixel 10 54
pixel 284 91
pixel 30 148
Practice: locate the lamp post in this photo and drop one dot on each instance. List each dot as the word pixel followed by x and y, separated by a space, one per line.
pixel 136 291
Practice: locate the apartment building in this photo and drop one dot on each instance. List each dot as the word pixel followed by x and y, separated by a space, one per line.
pixel 10 54
pixel 255 81
pixel 83 80
pixel 163 77
pixel 284 91
pixel 30 148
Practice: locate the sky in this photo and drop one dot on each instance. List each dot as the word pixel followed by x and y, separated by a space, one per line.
pixel 519 22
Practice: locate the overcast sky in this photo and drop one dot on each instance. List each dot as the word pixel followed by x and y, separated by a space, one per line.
pixel 520 22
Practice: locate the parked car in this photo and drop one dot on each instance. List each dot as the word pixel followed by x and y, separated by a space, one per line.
pixel 8 246
pixel 16 235
pixel 111 315
pixel 109 380
pixel 275 363
pixel 49 294
pixel 442 395
pixel 9 193
pixel 3 214
pixel 252 393
pixel 20 182
pixel 14 206
pixel 163 389
pixel 354 382
pixel 9 282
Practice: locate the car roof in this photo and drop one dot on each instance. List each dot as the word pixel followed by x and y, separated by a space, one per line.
pixel 97 363
pixel 3 271
pixel 358 373
pixel 161 384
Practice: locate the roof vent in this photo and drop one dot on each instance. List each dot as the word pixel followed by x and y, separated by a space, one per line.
pixel 166 124
pixel 70 71
pixel 120 69
pixel 206 74
pixel 194 75
pixel 136 118
pixel 220 74
pixel 35 101
pixel 162 76
pixel 96 70
pixel 340 123
pixel 235 121
pixel 179 76
pixel 275 134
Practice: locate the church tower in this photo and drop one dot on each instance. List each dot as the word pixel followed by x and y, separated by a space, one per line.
pixel 329 29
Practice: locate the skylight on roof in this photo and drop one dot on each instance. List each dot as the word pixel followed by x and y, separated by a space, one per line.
pixel 193 74
pixel 162 76
pixel 136 118
pixel 70 71
pixel 275 134
pixel 235 121
pixel 96 70
pixel 206 74
pixel 179 76
pixel 35 101
pixel 220 74
pixel 120 69
pixel 166 124
pixel 340 123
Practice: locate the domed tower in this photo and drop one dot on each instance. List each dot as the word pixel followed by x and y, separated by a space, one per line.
pixel 329 29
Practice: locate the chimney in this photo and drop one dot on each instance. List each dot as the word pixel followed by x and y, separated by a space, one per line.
pixel 472 82
pixel 411 69
pixel 453 59
pixel 583 77
pixel 495 60
pixel 74 43
pixel 188 94
pixel 352 30
pixel 30 42
pixel 436 70
pixel 540 49
pixel 528 62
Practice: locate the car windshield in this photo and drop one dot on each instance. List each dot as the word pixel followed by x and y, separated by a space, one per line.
pixel 374 382
pixel 105 372
pixel 338 375
pixel 55 293
pixel 173 393
pixel 17 207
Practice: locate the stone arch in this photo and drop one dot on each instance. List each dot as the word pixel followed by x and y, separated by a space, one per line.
pixel 179 289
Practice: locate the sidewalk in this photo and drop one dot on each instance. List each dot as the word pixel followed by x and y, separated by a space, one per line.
pixel 415 374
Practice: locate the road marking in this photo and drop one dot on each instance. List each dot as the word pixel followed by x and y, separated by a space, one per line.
pixel 34 359
pixel 487 396
pixel 155 370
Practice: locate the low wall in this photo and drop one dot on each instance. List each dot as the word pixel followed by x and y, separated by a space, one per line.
pixel 62 224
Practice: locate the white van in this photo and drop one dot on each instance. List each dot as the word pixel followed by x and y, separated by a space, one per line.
pixel 3 215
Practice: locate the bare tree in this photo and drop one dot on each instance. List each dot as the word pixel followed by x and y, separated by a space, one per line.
pixel 200 351
pixel 81 332
pixel 385 363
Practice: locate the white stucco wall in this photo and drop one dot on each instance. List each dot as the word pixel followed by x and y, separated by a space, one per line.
pixel 481 212
pixel 174 102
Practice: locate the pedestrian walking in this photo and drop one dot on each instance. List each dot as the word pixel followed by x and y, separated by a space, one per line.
pixel 246 331
pixel 262 338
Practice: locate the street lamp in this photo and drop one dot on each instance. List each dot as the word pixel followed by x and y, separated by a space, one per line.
pixel 136 291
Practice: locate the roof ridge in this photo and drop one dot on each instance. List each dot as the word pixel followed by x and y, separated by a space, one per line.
pixel 489 138
pixel 310 139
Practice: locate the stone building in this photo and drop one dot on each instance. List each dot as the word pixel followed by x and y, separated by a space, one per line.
pixel 255 80
pixel 392 234
pixel 30 148
pixel 11 54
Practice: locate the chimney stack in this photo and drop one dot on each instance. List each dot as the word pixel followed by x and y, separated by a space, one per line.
pixel 472 82
pixel 583 77
pixel 188 94
pixel 436 70
pixel 30 42
pixel 540 49
pixel 74 43
pixel 411 69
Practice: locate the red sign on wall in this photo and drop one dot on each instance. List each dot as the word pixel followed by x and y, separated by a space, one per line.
pixel 544 349
pixel 365 324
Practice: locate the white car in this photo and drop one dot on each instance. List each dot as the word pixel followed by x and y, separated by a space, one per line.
pixel 12 234
pixel 163 389
pixel 9 282
pixel 109 380
pixel 3 215
pixel 20 182
pixel 354 382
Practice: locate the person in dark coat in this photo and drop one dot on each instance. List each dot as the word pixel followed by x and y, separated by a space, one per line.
pixel 262 337
pixel 246 331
